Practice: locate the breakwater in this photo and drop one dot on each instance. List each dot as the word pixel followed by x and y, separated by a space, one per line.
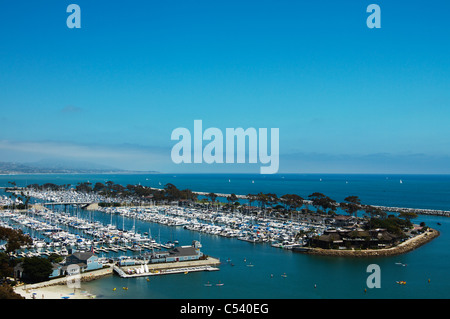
pixel 420 211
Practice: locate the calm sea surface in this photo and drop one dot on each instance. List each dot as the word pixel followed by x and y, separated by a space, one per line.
pixel 426 272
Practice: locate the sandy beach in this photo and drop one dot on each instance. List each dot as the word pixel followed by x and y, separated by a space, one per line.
pixel 58 289
pixel 54 292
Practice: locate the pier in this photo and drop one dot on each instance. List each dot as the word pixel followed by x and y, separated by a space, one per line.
pixel 167 268
pixel 418 211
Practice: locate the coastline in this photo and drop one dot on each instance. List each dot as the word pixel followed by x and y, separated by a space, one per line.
pixel 58 288
pixel 400 249
pixel 83 173
pixel 54 292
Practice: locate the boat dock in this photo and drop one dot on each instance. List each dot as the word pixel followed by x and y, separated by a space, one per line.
pixel 135 248
pixel 166 268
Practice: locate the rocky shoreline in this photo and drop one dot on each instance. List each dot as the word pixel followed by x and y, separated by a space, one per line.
pixel 402 248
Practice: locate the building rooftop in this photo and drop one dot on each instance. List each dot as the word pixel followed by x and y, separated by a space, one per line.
pixel 183 251
pixel 83 255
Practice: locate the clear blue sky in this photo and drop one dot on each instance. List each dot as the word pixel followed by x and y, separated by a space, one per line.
pixel 346 98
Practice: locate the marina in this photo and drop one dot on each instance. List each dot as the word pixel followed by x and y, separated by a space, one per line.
pixel 76 230
pixel 71 197
pixel 60 229
pixel 258 249
pixel 176 151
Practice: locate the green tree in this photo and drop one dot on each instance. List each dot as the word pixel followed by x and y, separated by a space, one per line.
pixel 212 197
pixel 7 292
pixel 408 215
pixel 189 195
pixel 292 201
pixel 36 269
pixel 322 201
pixel 98 187
pixel 251 198
pixel 272 199
pixel 351 205
pixel 232 199
pixel 374 211
pixel 392 224
pixel 15 238
pixel 172 192
pixel 262 199
pixel 55 258
pixel 6 266
pixel 84 187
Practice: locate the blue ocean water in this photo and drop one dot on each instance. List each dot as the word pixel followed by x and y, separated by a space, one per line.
pixel 308 277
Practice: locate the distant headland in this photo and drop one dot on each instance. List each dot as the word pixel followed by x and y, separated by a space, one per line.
pixel 13 168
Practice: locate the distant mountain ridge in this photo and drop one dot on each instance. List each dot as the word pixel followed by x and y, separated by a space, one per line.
pixel 64 164
pixel 56 166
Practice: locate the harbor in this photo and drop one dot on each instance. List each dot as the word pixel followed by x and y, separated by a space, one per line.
pixel 254 247
pixel 60 232
pixel 71 197
pixel 65 228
